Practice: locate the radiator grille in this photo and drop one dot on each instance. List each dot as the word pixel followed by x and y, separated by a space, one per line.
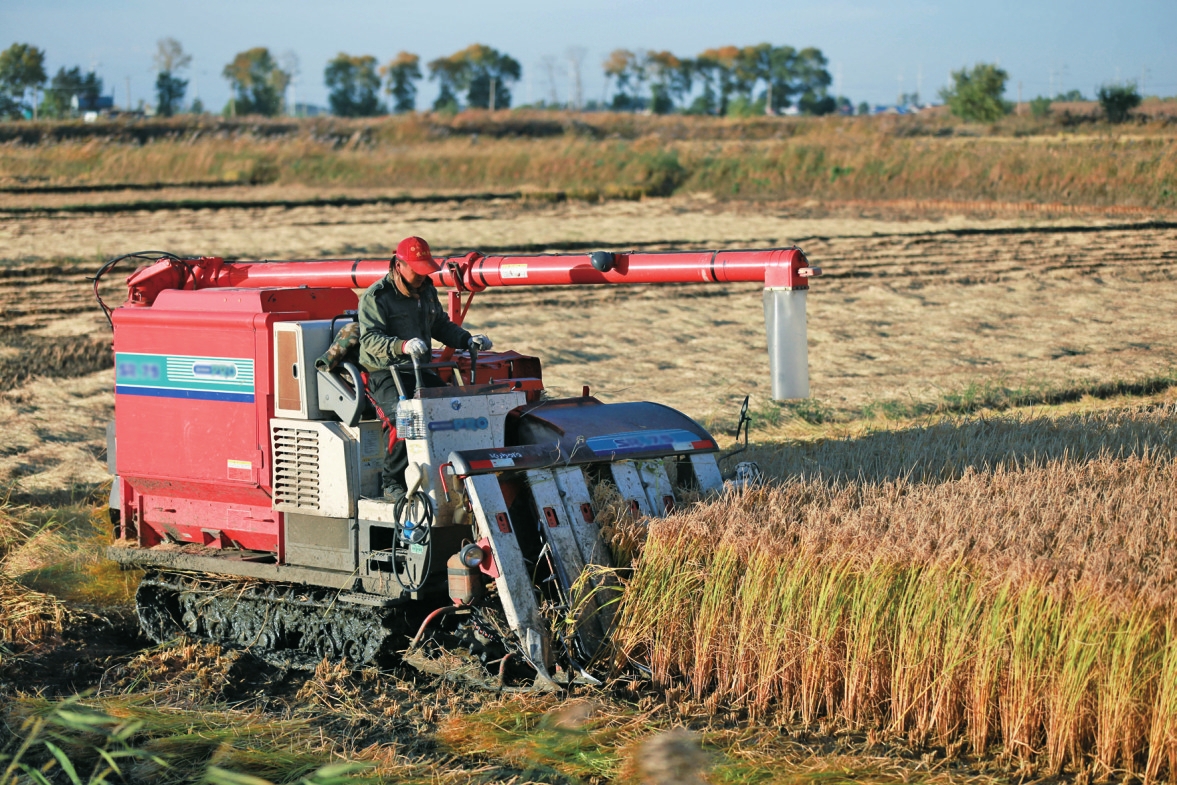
pixel 296 467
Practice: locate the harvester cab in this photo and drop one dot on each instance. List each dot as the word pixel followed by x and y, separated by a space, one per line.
pixel 247 480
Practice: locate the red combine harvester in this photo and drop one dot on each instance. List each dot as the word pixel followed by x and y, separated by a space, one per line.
pixel 247 481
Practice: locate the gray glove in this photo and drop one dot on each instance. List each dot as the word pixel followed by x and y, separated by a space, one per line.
pixel 416 347
pixel 480 342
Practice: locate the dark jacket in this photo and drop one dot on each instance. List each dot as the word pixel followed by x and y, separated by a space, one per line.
pixel 389 318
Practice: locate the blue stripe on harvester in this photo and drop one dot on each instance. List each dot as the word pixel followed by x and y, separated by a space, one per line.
pixel 200 395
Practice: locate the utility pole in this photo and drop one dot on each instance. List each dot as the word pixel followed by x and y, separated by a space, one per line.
pixel 1019 96
pixel 128 94
pixel 492 93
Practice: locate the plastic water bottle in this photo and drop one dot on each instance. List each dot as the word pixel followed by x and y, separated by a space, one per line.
pixel 404 420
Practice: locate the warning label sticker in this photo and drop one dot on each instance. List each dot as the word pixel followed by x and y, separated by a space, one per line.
pixel 240 470
pixel 513 271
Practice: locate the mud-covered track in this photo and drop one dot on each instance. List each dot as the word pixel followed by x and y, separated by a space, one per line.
pixel 284 624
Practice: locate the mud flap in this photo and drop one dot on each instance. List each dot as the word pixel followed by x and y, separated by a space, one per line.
pixel 514 580
pixel 556 527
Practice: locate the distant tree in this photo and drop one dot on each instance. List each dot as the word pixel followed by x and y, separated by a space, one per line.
pixel 197 106
pixel 490 69
pixel 976 94
pixel 22 69
pixel 622 66
pixel 863 108
pixel 170 55
pixel 169 93
pixel 353 86
pixel 257 82
pixel 575 56
pixel 69 90
pixel 169 59
pixel 811 82
pixel 476 70
pixel 670 80
pixel 751 65
pixel 448 74
pixel 717 67
pixel 402 73
pixel 1040 106
pixel 1118 100
pixel 1070 95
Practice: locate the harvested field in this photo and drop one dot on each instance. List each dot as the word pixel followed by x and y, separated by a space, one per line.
pixel 896 531
pixel 909 314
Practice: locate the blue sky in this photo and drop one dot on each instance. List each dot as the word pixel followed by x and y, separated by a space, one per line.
pixel 875 49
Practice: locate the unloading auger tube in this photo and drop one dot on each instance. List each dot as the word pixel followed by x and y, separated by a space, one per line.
pixel 785 273
pixel 247 481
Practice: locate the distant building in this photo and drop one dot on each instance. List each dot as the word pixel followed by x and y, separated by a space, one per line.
pixel 103 103
pixel 900 109
pixel 309 110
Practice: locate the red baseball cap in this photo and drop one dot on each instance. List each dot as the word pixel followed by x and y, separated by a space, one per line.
pixel 414 252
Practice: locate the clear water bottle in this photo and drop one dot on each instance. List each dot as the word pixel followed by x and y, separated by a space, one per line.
pixel 404 421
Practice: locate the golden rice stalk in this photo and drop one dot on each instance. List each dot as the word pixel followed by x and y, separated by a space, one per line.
pixel 1162 733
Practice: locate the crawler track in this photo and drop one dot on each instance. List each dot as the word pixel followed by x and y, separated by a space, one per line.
pixel 284 624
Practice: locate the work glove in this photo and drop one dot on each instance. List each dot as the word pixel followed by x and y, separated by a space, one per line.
pixel 480 342
pixel 415 347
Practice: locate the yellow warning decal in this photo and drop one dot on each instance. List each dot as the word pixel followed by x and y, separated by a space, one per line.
pixel 513 271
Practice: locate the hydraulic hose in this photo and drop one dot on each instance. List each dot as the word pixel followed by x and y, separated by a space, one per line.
pixel 406 535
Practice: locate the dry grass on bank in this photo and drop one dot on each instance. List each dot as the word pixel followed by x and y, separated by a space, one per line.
pixel 626 157
pixel 1002 586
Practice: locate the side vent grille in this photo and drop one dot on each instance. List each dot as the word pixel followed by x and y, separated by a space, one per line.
pixel 296 467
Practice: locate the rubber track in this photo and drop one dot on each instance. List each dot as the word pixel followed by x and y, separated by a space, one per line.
pixel 287 625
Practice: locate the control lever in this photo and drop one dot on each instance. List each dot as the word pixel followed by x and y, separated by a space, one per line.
pixel 396 378
pixel 473 362
pixel 417 375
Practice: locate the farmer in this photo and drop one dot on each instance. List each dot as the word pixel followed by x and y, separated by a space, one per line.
pixel 399 316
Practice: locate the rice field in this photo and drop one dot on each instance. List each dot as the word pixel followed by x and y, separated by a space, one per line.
pixel 1000 586
pixel 959 569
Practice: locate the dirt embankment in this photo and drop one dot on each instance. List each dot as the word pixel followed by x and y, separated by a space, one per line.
pixel 1065 159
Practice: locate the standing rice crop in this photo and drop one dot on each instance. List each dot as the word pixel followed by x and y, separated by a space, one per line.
pixel 1020 606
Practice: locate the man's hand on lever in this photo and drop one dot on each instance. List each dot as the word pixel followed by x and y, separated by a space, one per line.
pixel 416 348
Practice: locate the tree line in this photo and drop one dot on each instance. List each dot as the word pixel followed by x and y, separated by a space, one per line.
pixel 725 81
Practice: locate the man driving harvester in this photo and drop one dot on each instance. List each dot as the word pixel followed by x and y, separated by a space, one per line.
pixel 399 316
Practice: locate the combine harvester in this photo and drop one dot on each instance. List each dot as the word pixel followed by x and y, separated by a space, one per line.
pixel 247 481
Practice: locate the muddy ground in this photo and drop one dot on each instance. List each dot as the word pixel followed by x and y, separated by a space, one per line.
pixel 913 305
